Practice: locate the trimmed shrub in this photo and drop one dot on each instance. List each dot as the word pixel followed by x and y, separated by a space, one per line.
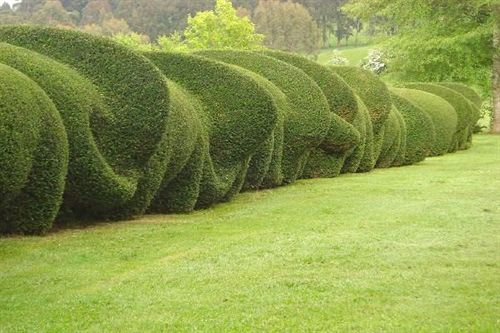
pixel 239 116
pixel 270 153
pixel 443 117
pixel 399 159
pixel 181 184
pixel 475 100
pixel 342 137
pixel 361 158
pixel 340 97
pixel 372 91
pixel 375 95
pixel 307 117
pixel 466 91
pixel 420 134
pixel 33 155
pixel 92 185
pixel 137 100
pixel 463 108
pixel 392 140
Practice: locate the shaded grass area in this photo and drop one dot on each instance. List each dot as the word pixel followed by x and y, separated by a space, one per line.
pixel 413 249
pixel 355 54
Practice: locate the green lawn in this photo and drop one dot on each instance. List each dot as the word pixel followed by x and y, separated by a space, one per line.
pixel 413 249
pixel 355 54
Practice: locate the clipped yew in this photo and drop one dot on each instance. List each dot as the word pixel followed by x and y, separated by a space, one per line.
pixel 33 155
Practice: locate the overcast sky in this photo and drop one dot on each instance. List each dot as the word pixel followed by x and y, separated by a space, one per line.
pixel 11 2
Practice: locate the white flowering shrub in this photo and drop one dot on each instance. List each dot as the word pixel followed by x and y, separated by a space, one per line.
pixel 375 62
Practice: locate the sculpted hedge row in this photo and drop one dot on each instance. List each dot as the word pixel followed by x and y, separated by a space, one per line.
pixel 92 130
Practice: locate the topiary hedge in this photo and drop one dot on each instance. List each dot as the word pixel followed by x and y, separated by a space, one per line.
pixel 307 117
pixel 33 155
pixel 375 95
pixel 465 111
pixel 399 159
pixel 420 134
pixel 100 131
pixel 475 100
pixel 180 187
pixel 361 158
pixel 92 185
pixel 328 159
pixel 240 115
pixel 137 100
pixel 392 140
pixel 466 91
pixel 443 117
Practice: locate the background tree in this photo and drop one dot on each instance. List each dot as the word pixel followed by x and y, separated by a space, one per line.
pixel 52 13
pixel 437 40
pixel 221 28
pixel 7 15
pixel 287 26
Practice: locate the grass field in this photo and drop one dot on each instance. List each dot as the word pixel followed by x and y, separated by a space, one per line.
pixel 355 54
pixel 413 249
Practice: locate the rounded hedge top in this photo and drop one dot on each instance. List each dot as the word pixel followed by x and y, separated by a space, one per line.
pixel 307 120
pixel 441 112
pixel 462 106
pixel 420 133
pixel 135 92
pixel 467 91
pixel 33 155
pixel 339 95
pixel 240 112
pixel 371 90
pixel 92 183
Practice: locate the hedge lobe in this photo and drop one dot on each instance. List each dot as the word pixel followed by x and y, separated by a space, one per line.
pixel 420 133
pixel 240 115
pixel 442 114
pixel 136 96
pixel 307 118
pixel 33 155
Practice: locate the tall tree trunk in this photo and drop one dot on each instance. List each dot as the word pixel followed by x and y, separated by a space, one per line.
pixel 496 71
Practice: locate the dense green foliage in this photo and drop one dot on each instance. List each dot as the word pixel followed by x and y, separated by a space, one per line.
pixel 84 137
pixel 136 96
pixel 391 146
pixel 225 29
pixel 33 155
pixel 420 133
pixel 447 40
pixel 467 91
pixel 467 114
pixel 443 115
pixel 327 160
pixel 307 119
pixel 240 116
pixel 374 94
